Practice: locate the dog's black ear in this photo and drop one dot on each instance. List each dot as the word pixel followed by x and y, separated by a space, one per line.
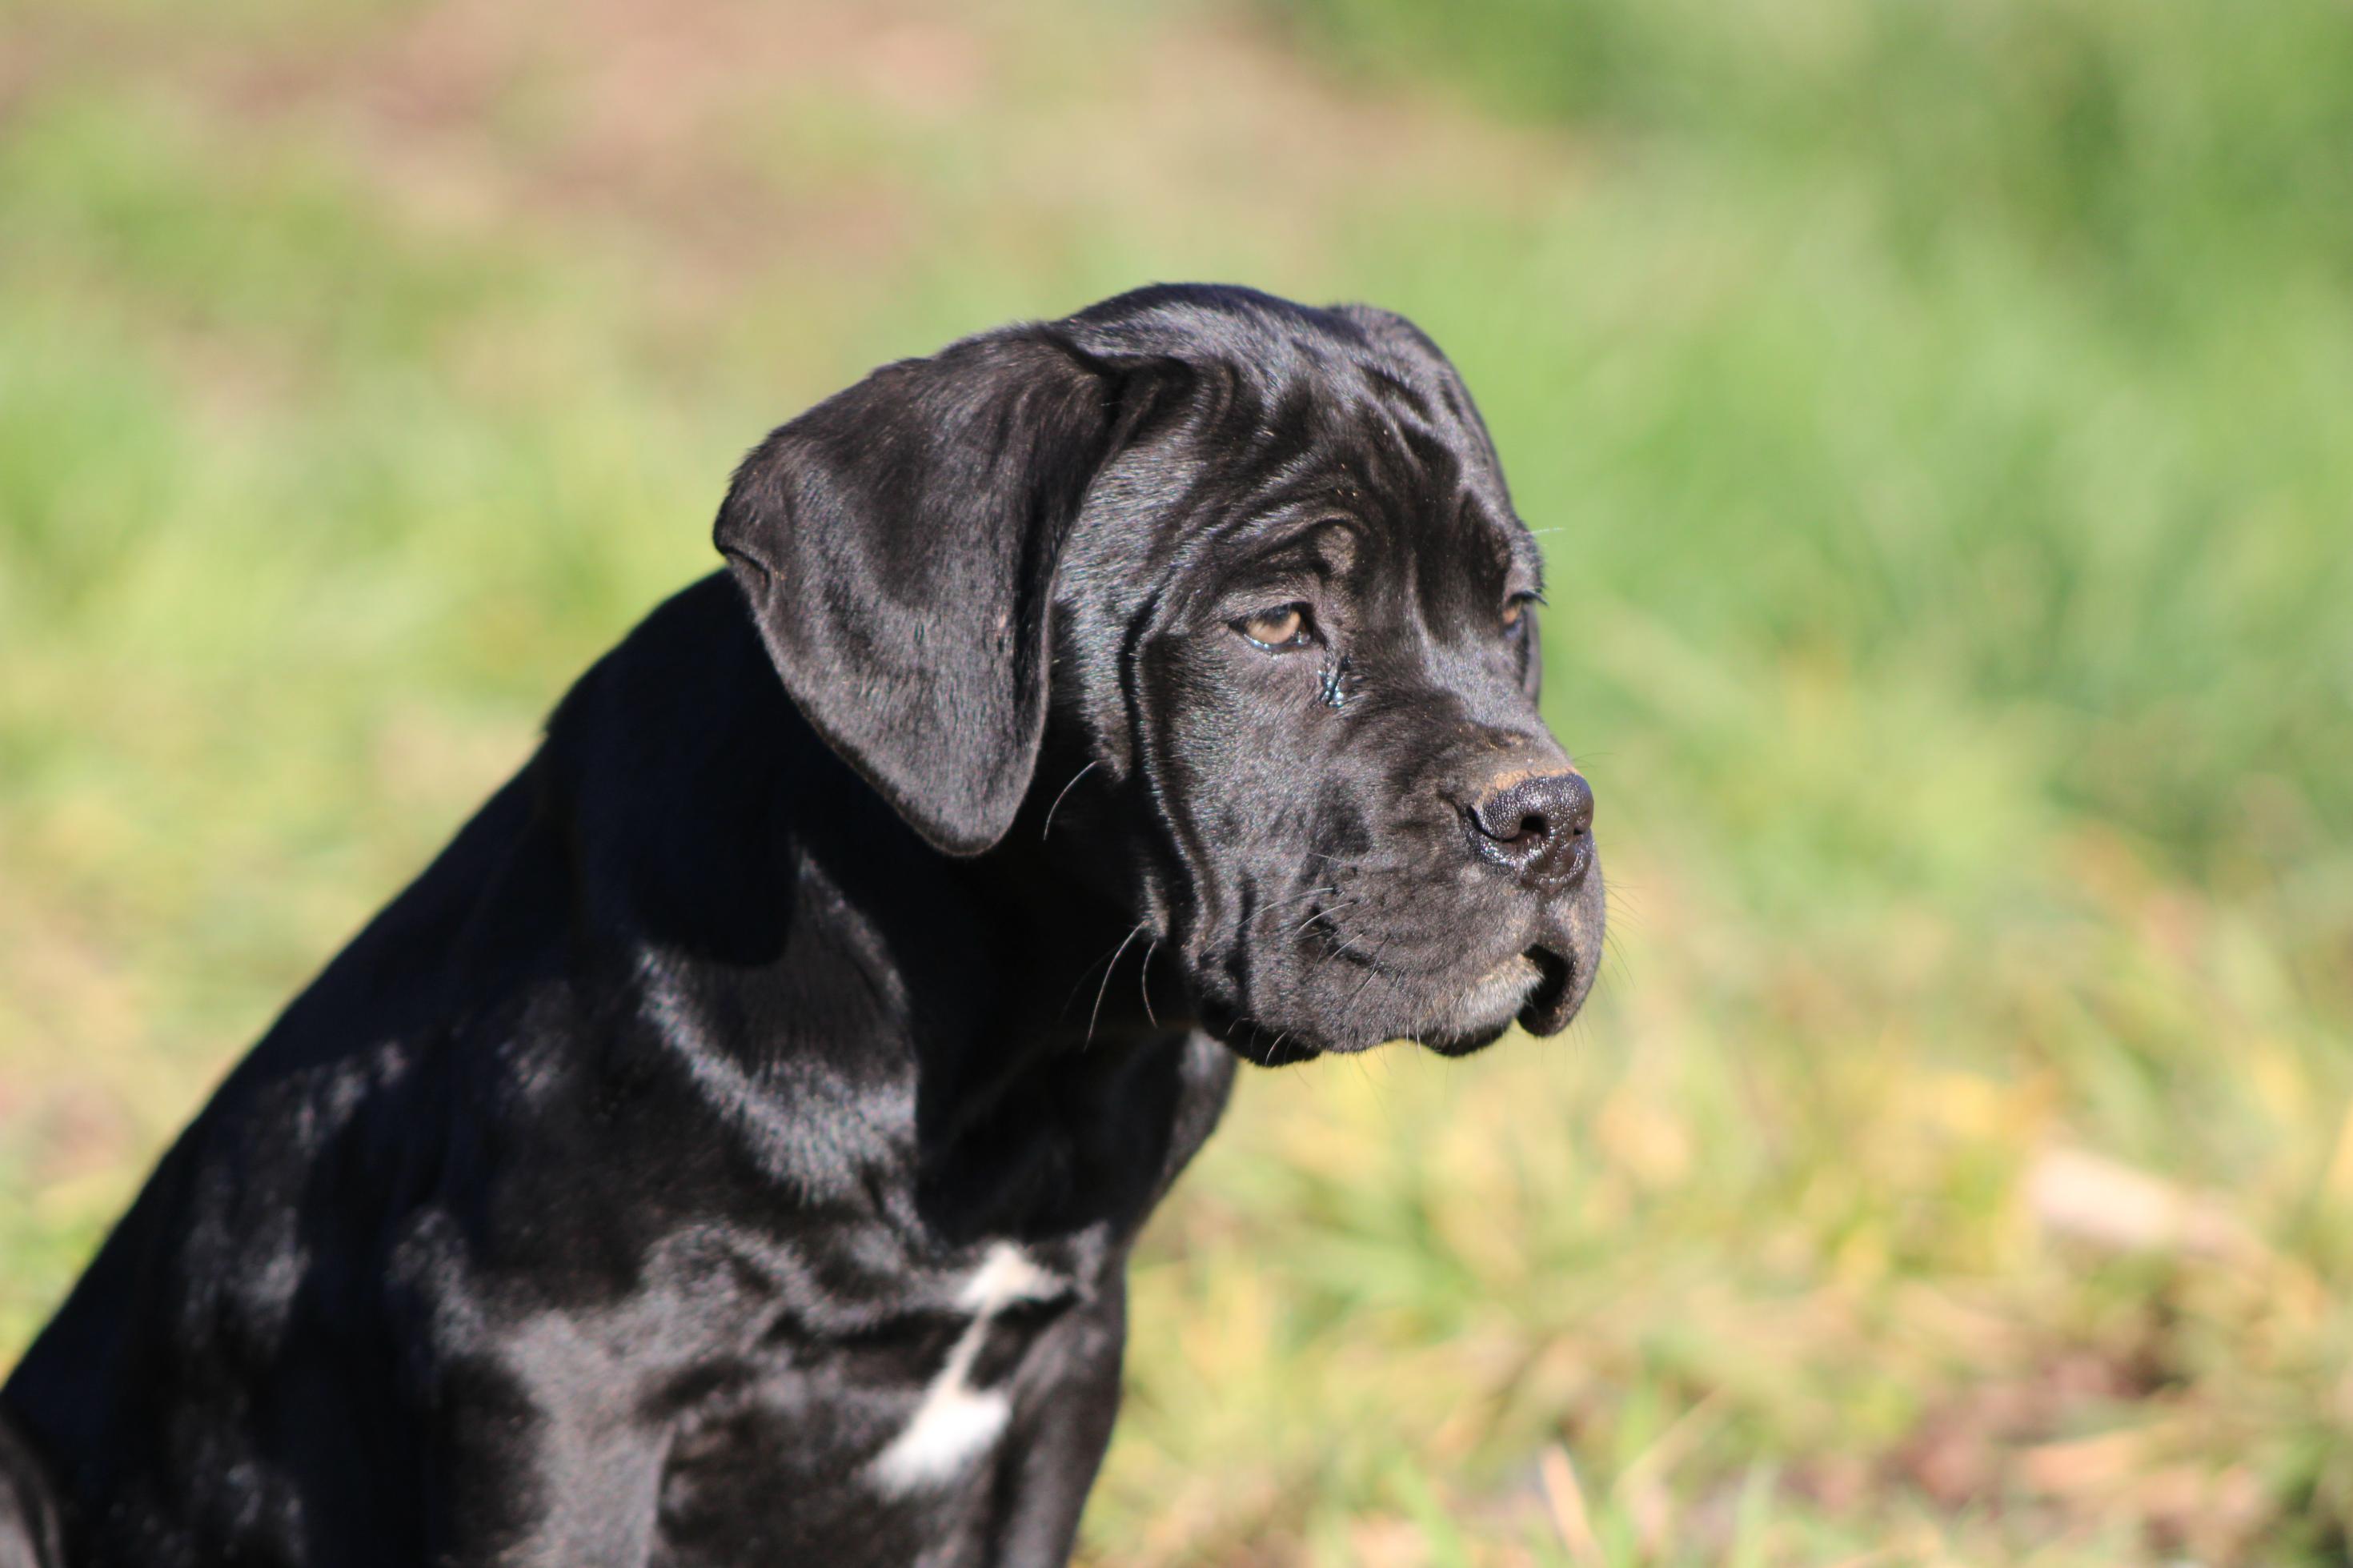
pixel 898 544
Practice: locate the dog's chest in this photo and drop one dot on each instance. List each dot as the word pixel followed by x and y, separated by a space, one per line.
pixel 900 1399
pixel 965 1404
pixel 897 1427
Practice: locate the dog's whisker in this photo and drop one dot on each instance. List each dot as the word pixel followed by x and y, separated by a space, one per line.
pixel 1059 799
pixel 1348 944
pixel 1301 928
pixel 1372 967
pixel 1109 969
pixel 1296 898
pixel 1111 954
pixel 1143 982
pixel 1314 893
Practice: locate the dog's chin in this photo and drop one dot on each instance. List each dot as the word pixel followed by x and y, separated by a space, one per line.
pixel 1255 1041
pixel 1526 988
pixel 1539 988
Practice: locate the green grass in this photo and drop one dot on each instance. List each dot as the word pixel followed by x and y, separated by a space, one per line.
pixel 1941 425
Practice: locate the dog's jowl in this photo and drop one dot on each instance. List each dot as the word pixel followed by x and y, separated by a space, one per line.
pixel 729 1149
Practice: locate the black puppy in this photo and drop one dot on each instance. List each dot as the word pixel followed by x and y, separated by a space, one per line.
pixel 728 1151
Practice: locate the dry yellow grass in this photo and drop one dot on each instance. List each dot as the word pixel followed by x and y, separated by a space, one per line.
pixel 1949 574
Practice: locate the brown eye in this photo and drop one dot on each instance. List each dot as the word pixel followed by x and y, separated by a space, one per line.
pixel 1283 627
pixel 1515 608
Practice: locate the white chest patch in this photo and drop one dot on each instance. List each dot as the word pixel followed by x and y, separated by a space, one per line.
pixel 956 1421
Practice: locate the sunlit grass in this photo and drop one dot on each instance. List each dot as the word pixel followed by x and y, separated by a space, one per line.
pixel 1942 441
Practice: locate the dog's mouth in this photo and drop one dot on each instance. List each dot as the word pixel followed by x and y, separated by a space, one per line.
pixel 1532 987
pixel 1363 994
pixel 1548 1006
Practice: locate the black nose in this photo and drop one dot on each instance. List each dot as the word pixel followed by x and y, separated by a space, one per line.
pixel 1539 827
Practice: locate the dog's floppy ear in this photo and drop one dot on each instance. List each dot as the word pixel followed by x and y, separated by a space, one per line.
pixel 898 543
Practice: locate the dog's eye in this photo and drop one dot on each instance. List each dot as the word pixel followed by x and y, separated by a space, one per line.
pixel 1516 612
pixel 1285 626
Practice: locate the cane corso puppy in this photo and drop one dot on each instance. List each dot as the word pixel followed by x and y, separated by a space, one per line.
pixel 728 1151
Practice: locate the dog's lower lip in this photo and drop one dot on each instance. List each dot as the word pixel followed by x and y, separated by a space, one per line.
pixel 1554 971
pixel 1508 984
pixel 1517 962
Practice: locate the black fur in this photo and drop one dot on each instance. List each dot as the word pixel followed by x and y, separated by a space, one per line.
pixel 770 1055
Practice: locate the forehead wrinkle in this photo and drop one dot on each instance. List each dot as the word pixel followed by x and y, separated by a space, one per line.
pixel 1242 440
pixel 1507 539
pixel 1412 378
pixel 1409 479
pixel 1527 555
pixel 1227 550
pixel 1433 456
pixel 1416 475
pixel 1456 461
pixel 1253 442
pixel 1261 455
pixel 1195 565
pixel 1392 476
pixel 1387 384
pixel 1260 402
pixel 1272 436
pixel 1301 543
pixel 1423 492
pixel 1474 556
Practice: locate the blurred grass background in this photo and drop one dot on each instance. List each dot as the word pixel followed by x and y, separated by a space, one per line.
pixel 1940 418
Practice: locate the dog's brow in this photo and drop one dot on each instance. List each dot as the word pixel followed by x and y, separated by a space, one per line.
pixel 1329 533
pixel 1387 381
pixel 1495 524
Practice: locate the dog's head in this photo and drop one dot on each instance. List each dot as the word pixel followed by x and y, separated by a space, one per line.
pixel 1246 575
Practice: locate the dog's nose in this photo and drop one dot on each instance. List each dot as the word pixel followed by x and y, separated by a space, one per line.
pixel 1539 827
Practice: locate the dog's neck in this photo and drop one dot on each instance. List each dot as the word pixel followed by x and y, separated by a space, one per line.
pixel 1051 1077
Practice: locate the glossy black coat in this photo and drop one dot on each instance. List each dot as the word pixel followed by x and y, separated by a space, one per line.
pixel 728 1151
